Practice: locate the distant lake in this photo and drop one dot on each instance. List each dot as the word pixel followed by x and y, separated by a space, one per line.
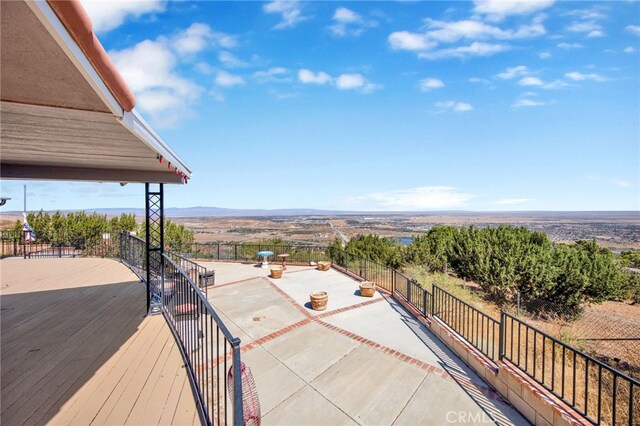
pixel 405 240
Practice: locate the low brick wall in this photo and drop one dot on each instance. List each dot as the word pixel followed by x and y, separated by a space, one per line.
pixel 534 402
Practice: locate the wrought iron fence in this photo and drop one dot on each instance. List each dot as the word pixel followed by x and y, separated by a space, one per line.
pixel 208 347
pixel 600 393
pixel 132 252
pixel 473 325
pixel 198 273
pixel 382 275
pixel 10 243
pixel 414 293
pixel 249 252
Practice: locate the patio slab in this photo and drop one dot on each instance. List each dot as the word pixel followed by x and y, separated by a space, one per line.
pixel 343 291
pixel 311 409
pixel 274 381
pixel 371 363
pixel 388 325
pixel 439 402
pixel 254 307
pixel 310 350
pixel 370 386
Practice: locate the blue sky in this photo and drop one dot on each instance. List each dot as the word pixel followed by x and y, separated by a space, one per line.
pixel 487 105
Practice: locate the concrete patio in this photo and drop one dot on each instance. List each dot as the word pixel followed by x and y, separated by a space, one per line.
pixel 362 361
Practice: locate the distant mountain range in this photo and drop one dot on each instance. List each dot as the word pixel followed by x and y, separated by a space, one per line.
pixel 201 211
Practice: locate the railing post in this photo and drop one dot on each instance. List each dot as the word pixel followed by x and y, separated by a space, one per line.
pixel 424 302
pixel 218 251
pixel 433 298
pixel 235 252
pixel 501 337
pixel 238 409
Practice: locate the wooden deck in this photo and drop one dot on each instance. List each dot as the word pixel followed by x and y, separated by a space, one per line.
pixel 76 348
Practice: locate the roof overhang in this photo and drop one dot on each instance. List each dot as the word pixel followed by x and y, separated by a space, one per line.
pixel 66 112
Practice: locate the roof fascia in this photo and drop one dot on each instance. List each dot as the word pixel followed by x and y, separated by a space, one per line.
pixel 136 125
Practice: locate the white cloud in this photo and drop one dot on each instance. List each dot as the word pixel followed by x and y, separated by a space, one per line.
pixel 453 31
pixel 342 82
pixel 633 29
pixel 349 23
pixel 544 55
pixel 621 183
pixel 618 182
pixel 198 37
pixel 307 77
pixel 531 81
pixel 454 106
pixel 350 81
pixel 557 84
pixel 513 72
pixel 230 60
pixel 513 201
pixel 421 198
pixel 474 49
pixel 108 15
pixel 499 9
pixel 149 68
pixel 593 29
pixel 519 103
pixel 428 84
pixel 593 13
pixel 479 80
pixel 567 46
pixel 578 76
pixel 405 40
pixel 289 11
pixel 480 34
pixel 225 79
pixel 629 49
pixel 273 75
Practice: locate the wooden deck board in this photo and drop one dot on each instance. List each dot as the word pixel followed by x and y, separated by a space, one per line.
pixel 77 349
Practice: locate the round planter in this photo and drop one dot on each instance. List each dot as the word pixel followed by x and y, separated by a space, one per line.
pixel 324 266
pixel 367 289
pixel 276 272
pixel 319 300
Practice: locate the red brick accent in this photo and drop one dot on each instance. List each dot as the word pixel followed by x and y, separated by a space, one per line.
pixel 235 282
pixel 264 339
pixel 288 298
pixel 349 308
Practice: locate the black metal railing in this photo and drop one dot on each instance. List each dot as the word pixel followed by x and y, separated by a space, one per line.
pixel 208 347
pixel 132 252
pixel 382 275
pixel 413 292
pixel 198 273
pixel 10 243
pixel 600 393
pixel 249 252
pixel 479 329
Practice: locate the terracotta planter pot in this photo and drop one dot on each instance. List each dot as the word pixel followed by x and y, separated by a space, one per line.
pixel 324 266
pixel 276 272
pixel 319 300
pixel 367 289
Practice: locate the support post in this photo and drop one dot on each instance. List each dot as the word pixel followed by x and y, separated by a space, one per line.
pixel 154 230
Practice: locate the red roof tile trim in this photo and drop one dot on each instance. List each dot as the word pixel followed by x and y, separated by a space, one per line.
pixel 78 23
